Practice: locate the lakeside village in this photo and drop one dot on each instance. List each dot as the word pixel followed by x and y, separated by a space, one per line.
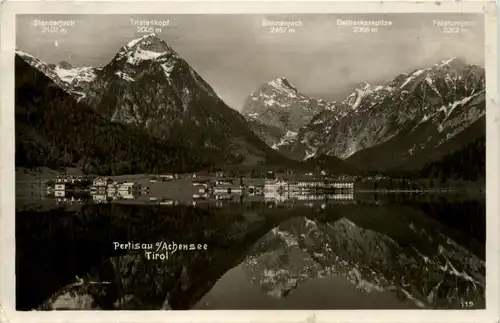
pixel 218 186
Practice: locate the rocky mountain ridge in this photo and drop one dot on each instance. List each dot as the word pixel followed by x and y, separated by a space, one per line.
pixel 148 86
pixel 427 107
pixel 54 130
pixel 277 111
pixel 74 80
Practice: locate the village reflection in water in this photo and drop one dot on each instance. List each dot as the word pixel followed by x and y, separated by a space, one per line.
pixel 190 189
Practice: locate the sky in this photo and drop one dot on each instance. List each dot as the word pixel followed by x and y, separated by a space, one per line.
pixel 235 54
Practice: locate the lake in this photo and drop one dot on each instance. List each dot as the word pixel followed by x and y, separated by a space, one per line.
pixel 373 251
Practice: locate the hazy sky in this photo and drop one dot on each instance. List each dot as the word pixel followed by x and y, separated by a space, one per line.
pixel 236 54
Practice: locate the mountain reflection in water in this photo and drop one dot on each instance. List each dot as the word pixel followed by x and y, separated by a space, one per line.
pixel 378 252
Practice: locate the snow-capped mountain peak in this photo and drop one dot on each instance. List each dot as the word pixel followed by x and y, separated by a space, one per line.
pixel 282 84
pixel 412 77
pixel 74 80
pixel 358 94
pixel 383 112
pixel 452 62
pixel 147 49
pixel 151 40
pixel 277 110
pixel 144 48
pixel 148 85
pixel 363 86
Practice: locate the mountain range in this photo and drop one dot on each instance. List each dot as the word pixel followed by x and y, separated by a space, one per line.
pixel 52 129
pixel 149 89
pixel 413 119
pixel 74 80
pixel 409 122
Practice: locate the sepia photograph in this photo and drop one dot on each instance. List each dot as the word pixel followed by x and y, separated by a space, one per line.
pixel 250 161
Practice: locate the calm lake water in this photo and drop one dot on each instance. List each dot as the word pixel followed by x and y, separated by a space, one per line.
pixel 373 252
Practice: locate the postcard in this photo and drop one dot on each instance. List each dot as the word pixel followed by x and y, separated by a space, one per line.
pixel 250 162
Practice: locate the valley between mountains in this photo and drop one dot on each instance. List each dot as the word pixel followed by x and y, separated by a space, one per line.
pixel 149 111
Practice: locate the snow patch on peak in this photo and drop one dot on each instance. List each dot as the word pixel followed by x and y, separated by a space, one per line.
pixel 363 86
pixel 283 85
pixel 134 42
pixel 69 74
pixel 452 63
pixel 151 35
pixel 142 55
pixel 147 44
pixel 124 76
pixel 417 73
pixel 448 61
pixel 412 77
pixel 355 98
pixel 131 44
pixel 278 82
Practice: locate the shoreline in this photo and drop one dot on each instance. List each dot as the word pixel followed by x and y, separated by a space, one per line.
pixel 26 176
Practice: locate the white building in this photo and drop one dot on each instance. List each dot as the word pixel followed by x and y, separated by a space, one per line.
pixel 59 193
pixel 224 182
pixel 341 185
pixel 275 185
pixel 309 184
pixel 59 187
pixel 100 181
pixel 127 186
